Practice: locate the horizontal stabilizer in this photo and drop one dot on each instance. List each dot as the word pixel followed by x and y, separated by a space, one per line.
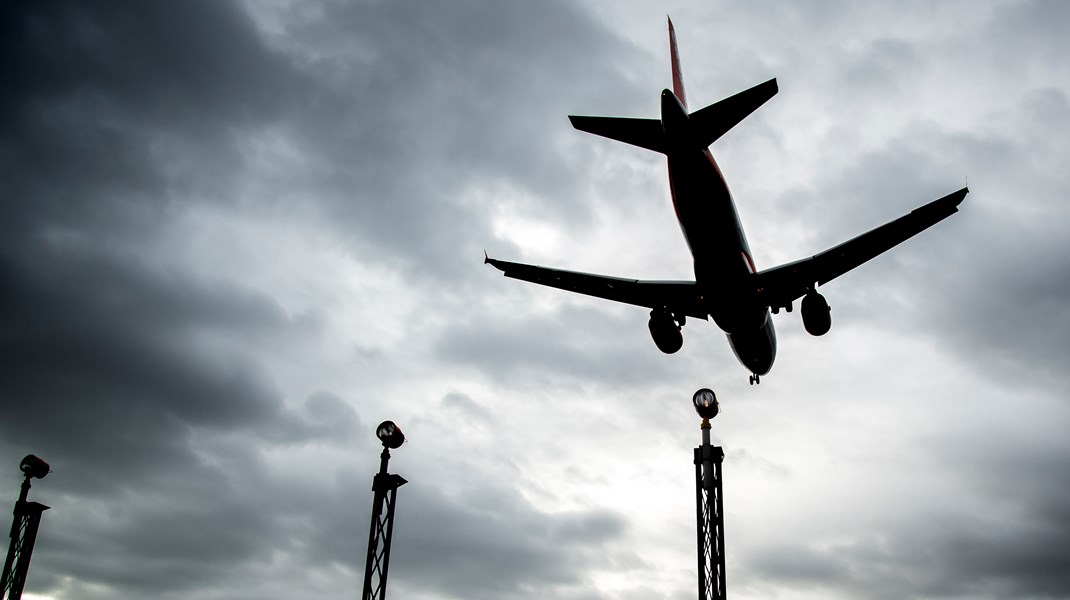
pixel 645 133
pixel 715 120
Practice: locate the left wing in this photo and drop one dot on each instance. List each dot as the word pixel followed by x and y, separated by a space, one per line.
pixel 780 286
pixel 682 297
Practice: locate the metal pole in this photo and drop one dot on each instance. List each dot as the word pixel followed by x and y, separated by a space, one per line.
pixel 24 526
pixel 709 505
pixel 377 565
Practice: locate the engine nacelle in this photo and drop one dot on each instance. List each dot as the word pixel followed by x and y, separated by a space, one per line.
pixel 665 331
pixel 816 314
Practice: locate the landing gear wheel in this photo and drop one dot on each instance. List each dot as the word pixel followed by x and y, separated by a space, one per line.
pixel 755 379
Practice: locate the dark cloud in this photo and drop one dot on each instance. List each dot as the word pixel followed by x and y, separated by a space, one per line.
pixel 578 342
pixel 104 360
pixel 207 408
pixel 113 112
pixel 422 122
pixel 489 542
pixel 127 378
pixel 147 385
pixel 946 556
pixel 998 292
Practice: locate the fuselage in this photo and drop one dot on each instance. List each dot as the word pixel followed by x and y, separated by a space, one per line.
pixel 711 226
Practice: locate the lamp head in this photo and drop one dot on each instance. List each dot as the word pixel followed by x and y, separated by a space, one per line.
pixel 705 402
pixel 32 466
pixel 390 435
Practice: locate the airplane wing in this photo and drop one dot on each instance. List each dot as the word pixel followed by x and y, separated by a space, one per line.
pixel 780 286
pixel 682 297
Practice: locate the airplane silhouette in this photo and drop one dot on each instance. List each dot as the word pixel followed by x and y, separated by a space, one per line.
pixel 727 286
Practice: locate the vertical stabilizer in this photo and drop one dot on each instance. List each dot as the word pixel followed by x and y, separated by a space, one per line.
pixel 677 74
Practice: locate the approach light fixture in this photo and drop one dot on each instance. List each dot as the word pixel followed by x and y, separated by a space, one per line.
pixel 705 403
pixel 34 467
pixel 390 435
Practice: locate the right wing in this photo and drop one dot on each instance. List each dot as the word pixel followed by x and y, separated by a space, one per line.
pixel 781 285
pixel 682 297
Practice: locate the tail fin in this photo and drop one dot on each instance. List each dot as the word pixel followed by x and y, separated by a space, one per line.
pixel 715 120
pixel 645 133
pixel 677 74
pixel 706 125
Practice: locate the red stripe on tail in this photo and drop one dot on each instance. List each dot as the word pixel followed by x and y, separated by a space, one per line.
pixel 677 74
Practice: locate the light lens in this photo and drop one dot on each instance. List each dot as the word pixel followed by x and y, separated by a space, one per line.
pixel 705 403
pixel 390 434
pixel 32 466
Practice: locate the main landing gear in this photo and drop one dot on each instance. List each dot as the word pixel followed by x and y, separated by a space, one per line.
pixel 755 379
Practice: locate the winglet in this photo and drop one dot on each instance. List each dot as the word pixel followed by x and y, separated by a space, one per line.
pixel 497 264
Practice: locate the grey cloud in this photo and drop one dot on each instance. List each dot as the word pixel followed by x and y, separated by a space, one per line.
pixel 107 373
pixel 199 62
pixel 970 282
pixel 491 543
pixel 409 138
pixel 875 67
pixel 948 557
pixel 111 110
pixel 997 528
pixel 399 131
pixel 998 292
pixel 795 566
pixel 125 117
pixel 1030 29
pixel 545 345
pixel 147 548
pixel 1021 541
pixel 468 407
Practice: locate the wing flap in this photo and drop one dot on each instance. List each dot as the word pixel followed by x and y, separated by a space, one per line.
pixel 681 296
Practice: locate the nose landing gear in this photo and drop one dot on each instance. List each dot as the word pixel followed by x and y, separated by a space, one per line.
pixel 755 379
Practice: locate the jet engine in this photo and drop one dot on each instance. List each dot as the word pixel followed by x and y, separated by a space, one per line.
pixel 665 331
pixel 816 314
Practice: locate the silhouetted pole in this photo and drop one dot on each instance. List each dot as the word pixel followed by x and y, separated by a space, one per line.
pixel 23 532
pixel 709 504
pixel 385 487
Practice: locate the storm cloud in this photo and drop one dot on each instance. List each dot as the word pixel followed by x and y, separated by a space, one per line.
pixel 235 236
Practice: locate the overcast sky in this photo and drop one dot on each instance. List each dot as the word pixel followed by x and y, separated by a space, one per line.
pixel 234 237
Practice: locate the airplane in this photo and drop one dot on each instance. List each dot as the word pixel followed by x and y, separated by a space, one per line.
pixel 728 287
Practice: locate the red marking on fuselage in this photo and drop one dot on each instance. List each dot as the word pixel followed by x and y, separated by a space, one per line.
pixel 750 262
